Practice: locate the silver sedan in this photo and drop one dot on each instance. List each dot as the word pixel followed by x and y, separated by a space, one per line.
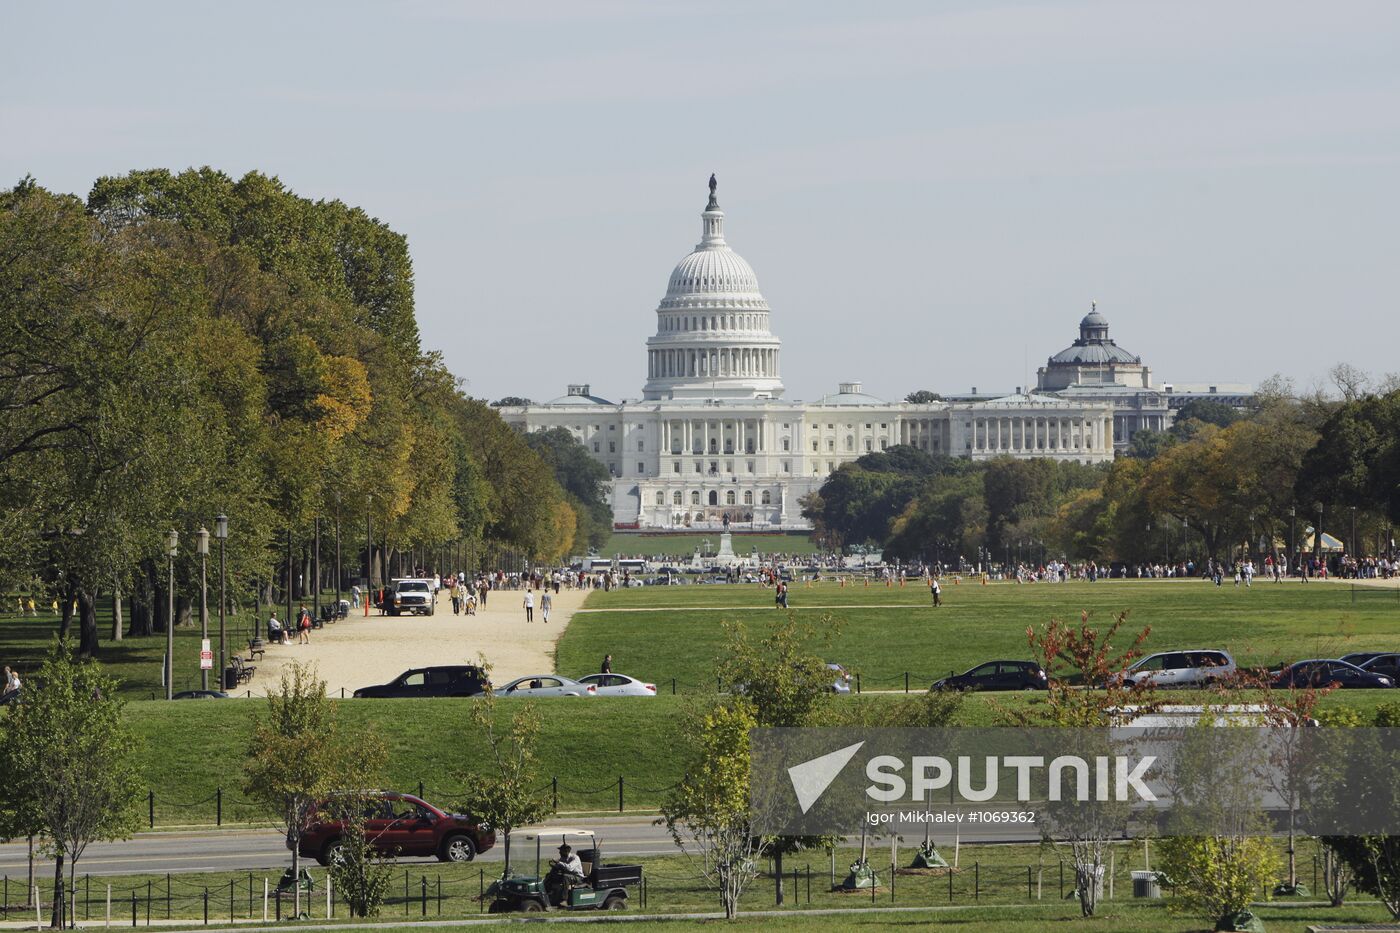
pixel 546 685
pixel 619 685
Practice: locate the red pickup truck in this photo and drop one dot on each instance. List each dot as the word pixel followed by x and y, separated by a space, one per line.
pixel 403 825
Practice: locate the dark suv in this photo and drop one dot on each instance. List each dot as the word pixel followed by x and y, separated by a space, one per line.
pixel 401 825
pixel 996 675
pixel 454 680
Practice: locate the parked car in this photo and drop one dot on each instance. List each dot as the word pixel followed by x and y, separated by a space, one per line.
pixel 1385 663
pixel 842 681
pixel 1324 672
pixel 453 680
pixel 618 685
pixel 996 675
pixel 400 825
pixel 200 695
pixel 1195 667
pixel 546 685
pixel 409 597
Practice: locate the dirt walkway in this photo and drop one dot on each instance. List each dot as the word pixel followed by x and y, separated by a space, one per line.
pixel 360 651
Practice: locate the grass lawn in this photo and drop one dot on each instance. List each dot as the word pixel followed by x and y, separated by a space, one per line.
pixel 995 888
pixel 885 632
pixel 682 546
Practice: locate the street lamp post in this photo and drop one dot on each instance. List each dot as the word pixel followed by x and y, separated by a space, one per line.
pixel 1292 537
pixel 1355 551
pixel 337 552
pixel 201 538
pixel 221 532
pixel 369 551
pixel 172 547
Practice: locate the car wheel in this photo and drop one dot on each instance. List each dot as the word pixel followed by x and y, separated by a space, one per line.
pixel 531 906
pixel 331 852
pixel 615 903
pixel 457 848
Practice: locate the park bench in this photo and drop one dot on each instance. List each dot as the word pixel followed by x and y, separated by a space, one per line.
pixel 256 649
pixel 242 670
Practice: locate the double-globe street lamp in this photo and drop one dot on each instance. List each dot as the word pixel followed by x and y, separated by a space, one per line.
pixel 172 548
pixel 221 532
pixel 201 538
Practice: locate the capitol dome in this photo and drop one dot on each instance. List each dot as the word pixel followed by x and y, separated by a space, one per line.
pixel 712 334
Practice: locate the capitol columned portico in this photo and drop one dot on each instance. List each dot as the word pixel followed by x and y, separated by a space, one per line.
pixel 713 438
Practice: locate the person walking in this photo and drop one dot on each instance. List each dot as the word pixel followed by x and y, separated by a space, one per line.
pixel 355 596
pixel 936 591
pixel 529 606
pixel 304 626
pixel 607 665
pixel 546 604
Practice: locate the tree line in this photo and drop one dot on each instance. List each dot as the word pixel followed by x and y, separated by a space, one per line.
pixel 1219 482
pixel 179 346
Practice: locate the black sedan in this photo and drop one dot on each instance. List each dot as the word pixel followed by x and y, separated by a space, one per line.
pixel 1326 672
pixel 997 675
pixel 453 680
pixel 1386 663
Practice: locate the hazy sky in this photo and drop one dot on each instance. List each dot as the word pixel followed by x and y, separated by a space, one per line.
pixel 930 193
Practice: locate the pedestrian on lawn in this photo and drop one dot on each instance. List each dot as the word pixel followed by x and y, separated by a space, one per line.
pixel 529 606
pixel 546 604
pixel 607 664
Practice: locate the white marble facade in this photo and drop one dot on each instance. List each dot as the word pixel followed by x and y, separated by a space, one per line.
pixel 713 437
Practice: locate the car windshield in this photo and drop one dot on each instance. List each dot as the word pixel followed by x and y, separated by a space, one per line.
pixel 413 587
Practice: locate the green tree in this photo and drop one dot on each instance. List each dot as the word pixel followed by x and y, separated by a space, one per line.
pixel 781 674
pixel 707 814
pixel 297 756
pixel 922 397
pixel 1202 411
pixel 360 873
pixel 585 480
pixel 506 788
pixel 1218 877
pixel 74 762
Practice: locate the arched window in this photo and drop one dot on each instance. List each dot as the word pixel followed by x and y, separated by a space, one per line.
pixel 767 498
pixel 850 442
pixel 748 497
pixel 729 497
pixel 714 498
pixel 676 498
pixel 695 497
pixel 661 498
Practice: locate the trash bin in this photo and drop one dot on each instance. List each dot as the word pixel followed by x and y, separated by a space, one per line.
pixel 230 678
pixel 1146 884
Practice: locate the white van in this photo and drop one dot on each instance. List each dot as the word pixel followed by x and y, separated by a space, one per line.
pixel 1193 667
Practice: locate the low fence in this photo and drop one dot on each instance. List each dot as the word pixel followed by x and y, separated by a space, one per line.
pixel 222 806
pixel 414 893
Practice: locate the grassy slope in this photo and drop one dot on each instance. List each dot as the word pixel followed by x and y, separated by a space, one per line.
pixel 885 632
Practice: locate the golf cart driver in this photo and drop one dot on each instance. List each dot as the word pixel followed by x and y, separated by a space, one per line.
pixel 565 872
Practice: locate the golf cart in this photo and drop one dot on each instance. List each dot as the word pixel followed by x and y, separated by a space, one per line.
pixel 598 887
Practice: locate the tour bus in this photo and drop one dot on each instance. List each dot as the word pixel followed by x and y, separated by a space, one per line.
pixel 634 566
pixel 600 565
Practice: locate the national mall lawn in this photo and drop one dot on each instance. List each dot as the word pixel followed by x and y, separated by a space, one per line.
pixel 195 748
pixel 883 632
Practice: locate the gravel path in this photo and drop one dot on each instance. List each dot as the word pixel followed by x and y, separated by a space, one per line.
pixel 364 650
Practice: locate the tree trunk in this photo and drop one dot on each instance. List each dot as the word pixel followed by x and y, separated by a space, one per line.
pixel 87 623
pixel 143 601
pixel 65 625
pixel 778 870
pixel 29 888
pixel 59 899
pixel 117 614
pixel 182 611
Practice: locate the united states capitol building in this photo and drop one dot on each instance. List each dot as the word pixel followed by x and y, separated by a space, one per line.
pixel 712 436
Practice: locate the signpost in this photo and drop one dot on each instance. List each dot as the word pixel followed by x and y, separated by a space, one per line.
pixel 206 656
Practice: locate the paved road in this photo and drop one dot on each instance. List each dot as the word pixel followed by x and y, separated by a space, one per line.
pixel 251 850
pixel 245 850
